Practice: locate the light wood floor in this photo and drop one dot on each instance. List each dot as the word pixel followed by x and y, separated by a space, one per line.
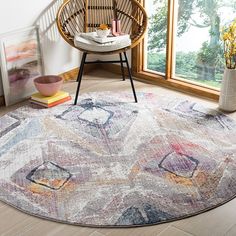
pixel 218 222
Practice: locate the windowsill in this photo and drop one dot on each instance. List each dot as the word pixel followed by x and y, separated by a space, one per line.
pixel 196 83
pixel 181 85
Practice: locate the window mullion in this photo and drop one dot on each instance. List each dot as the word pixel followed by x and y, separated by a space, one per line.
pixel 170 38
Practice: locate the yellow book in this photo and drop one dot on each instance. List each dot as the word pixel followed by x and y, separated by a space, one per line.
pixel 47 100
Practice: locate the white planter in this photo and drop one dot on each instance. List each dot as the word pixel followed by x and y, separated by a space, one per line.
pixel 227 101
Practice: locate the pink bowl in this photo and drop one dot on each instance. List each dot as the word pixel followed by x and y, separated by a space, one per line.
pixel 48 85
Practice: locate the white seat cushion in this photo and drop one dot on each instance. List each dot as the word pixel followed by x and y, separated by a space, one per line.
pixel 90 45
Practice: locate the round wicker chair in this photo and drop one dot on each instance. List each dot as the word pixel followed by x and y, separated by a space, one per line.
pixel 79 16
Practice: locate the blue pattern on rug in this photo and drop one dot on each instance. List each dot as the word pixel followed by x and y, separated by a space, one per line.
pixel 109 162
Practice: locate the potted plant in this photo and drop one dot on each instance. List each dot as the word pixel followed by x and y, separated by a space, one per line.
pixel 227 99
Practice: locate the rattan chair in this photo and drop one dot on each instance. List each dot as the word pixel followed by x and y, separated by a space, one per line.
pixel 77 16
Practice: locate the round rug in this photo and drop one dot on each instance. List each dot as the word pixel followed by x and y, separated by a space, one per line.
pixel 111 162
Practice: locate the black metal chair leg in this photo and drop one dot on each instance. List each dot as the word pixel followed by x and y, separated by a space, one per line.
pixel 79 78
pixel 130 77
pixel 122 67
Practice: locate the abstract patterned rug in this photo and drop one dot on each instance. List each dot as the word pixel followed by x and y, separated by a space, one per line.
pixel 111 162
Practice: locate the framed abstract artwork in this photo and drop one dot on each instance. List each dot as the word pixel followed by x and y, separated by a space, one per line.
pixel 21 63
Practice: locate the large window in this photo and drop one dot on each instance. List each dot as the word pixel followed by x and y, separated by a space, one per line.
pixel 196 47
pixel 155 43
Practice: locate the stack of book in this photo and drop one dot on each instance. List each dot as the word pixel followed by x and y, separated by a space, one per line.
pixel 91 42
pixel 58 98
pixel 110 38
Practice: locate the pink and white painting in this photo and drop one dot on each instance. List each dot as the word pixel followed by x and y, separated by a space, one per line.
pixel 21 64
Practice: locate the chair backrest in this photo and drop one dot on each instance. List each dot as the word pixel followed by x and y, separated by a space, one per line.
pixel 99 12
pixel 76 16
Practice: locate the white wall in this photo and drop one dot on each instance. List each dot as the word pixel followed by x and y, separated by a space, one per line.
pixel 58 55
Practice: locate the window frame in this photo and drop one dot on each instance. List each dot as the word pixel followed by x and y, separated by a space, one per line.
pixel 167 80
